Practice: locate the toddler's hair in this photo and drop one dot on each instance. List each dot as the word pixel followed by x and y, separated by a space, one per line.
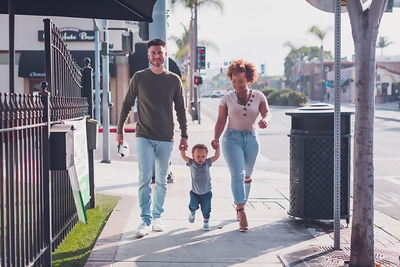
pixel 199 146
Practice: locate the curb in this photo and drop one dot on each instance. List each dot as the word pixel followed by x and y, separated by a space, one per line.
pixel 106 246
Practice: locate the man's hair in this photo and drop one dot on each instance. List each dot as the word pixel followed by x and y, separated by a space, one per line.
pixel 156 42
pixel 242 66
pixel 199 146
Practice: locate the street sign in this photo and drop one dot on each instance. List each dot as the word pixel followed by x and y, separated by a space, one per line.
pixel 329 5
pixel 262 68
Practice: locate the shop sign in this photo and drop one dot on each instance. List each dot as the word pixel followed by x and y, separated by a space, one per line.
pixel 34 74
pixel 72 35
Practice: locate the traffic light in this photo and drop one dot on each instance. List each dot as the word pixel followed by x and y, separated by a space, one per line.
pixel 198 80
pixel 144 30
pixel 201 57
pixel 127 42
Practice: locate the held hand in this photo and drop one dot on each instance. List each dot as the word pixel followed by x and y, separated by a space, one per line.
pixel 120 138
pixel 262 124
pixel 215 143
pixel 183 144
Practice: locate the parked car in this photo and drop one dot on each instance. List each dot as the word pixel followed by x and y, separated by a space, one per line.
pixel 217 94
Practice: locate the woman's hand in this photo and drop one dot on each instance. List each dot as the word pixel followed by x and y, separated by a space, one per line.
pixel 263 124
pixel 215 143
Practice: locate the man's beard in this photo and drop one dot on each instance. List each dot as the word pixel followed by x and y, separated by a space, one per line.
pixel 156 63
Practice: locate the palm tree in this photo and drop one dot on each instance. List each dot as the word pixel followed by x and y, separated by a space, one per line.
pixel 189 4
pixel 320 34
pixel 382 43
pixel 183 43
pixel 192 5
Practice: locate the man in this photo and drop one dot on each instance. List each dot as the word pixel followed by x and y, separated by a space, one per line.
pixel 156 90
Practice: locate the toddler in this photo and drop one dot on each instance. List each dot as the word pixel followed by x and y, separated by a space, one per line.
pixel 201 181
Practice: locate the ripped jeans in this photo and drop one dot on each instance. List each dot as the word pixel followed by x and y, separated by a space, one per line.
pixel 240 148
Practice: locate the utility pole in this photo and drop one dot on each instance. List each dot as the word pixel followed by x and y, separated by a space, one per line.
pixel 322 74
pixel 158 28
pixel 96 70
pixel 193 68
pixel 106 84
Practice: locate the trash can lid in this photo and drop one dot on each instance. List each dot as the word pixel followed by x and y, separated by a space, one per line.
pixel 317 106
pixel 317 109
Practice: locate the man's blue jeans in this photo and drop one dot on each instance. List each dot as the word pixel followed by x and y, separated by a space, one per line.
pixel 240 150
pixel 152 153
pixel 204 201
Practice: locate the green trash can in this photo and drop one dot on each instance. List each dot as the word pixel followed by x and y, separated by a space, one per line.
pixel 312 162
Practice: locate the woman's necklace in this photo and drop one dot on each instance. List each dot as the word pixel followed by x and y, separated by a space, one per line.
pixel 245 100
pixel 242 100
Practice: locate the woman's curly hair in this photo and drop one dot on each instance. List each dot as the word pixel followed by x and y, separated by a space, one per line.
pixel 240 65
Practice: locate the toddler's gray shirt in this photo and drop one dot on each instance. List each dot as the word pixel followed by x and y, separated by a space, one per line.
pixel 200 173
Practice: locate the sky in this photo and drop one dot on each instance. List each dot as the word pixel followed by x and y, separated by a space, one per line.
pixel 256 31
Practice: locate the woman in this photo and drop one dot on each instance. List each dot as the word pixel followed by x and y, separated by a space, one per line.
pixel 239 143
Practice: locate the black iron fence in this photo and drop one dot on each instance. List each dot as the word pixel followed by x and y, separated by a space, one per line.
pixel 21 179
pixel 37 206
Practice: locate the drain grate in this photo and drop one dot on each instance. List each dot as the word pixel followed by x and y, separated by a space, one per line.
pixel 327 256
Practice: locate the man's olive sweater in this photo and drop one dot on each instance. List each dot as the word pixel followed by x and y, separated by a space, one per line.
pixel 155 94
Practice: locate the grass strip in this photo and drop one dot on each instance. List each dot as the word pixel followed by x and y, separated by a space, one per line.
pixel 76 247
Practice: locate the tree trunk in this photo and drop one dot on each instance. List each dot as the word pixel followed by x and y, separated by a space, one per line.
pixel 362 234
pixel 365 25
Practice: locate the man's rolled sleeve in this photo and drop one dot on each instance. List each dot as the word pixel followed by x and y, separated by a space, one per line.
pixel 127 104
pixel 180 109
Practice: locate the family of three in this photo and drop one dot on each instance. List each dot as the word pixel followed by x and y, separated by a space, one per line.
pixel 156 91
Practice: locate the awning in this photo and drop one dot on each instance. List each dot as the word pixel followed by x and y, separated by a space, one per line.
pixel 137 10
pixel 31 63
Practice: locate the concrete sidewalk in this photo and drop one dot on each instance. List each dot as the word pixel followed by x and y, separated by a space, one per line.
pixel 273 239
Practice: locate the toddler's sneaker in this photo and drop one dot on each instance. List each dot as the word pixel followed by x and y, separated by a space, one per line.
pixel 206 226
pixel 192 217
pixel 158 225
pixel 142 230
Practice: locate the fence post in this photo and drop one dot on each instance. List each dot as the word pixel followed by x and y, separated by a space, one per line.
pixel 87 85
pixel 47 235
pixel 87 91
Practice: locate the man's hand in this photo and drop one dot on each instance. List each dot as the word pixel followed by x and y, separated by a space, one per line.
pixel 120 139
pixel 183 144
pixel 215 143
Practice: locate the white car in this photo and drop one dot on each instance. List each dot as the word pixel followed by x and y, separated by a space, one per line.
pixel 217 94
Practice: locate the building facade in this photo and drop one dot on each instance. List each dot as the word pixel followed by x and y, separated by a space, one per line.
pixel 306 78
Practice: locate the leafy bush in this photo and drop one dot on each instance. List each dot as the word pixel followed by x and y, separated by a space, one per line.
pixel 268 91
pixel 285 97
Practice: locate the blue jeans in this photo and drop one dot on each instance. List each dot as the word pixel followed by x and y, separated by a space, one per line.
pixel 204 201
pixel 240 149
pixel 152 153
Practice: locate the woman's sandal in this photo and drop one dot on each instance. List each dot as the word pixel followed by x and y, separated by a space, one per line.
pixel 243 226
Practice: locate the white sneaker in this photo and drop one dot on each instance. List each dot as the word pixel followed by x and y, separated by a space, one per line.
pixel 142 230
pixel 206 226
pixel 192 216
pixel 158 225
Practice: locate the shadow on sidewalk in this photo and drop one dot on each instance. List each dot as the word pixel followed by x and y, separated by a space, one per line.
pixel 223 245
